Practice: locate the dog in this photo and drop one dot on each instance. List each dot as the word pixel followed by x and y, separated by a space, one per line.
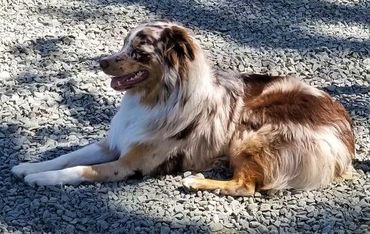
pixel 178 114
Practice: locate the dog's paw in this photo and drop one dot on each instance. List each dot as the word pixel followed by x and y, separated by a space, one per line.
pixel 44 178
pixel 192 182
pixel 41 179
pixel 23 169
pixel 70 176
pixel 32 179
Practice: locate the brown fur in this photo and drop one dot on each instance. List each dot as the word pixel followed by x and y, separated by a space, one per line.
pixel 125 166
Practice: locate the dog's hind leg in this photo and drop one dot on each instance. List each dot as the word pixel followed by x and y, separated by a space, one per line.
pixel 233 187
pixel 243 183
pixel 245 178
pixel 90 154
pixel 246 158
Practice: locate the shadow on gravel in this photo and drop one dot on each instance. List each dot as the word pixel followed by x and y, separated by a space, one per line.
pixel 359 106
pixel 276 24
pixel 353 89
pixel 93 208
pixel 84 105
pixel 362 165
pixel 78 209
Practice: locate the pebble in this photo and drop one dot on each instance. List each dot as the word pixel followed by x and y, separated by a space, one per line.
pixel 4 75
pixel 216 226
pixel 265 207
pixel 165 230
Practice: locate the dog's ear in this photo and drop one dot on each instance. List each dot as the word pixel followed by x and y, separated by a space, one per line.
pixel 178 45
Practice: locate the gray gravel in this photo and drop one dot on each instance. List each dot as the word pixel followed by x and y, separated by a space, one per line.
pixel 54 100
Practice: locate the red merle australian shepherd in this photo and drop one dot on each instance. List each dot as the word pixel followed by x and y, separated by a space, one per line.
pixel 179 114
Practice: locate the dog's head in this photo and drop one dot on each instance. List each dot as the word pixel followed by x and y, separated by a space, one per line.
pixel 151 54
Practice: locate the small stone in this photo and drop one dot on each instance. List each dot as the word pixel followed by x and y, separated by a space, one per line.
pixel 176 225
pixel 257 194
pixel 234 204
pixel 310 209
pixel 241 68
pixel 43 199
pixel 265 207
pixel 262 229
pixel 4 75
pixel 302 203
pixel 253 207
pixel 165 230
pixel 215 226
pixel 254 224
pixel 216 219
pixel 358 209
pixel 70 228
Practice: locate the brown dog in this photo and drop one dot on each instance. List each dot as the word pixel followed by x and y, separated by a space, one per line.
pixel 178 114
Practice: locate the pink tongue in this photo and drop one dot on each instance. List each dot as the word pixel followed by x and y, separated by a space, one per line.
pixel 115 83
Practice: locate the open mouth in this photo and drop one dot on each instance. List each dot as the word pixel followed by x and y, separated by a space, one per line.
pixel 128 81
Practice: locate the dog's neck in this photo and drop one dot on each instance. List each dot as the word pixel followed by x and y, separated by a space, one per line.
pixel 199 80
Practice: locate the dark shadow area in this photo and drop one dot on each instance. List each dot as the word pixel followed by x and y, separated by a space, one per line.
pixel 48 46
pixel 74 208
pixel 270 23
pixel 353 89
pixel 363 165
pixel 359 105
pixel 92 207
pixel 86 107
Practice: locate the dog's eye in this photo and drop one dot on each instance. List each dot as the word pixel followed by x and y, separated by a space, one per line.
pixel 136 53
pixel 147 41
pixel 140 55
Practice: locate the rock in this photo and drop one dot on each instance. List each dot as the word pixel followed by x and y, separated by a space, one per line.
pixel 215 227
pixel 265 207
pixel 165 230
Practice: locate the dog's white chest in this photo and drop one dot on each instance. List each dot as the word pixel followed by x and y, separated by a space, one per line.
pixel 129 125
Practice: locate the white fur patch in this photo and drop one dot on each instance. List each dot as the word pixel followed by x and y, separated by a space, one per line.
pixel 289 84
pixel 130 124
pixel 192 181
pixel 26 168
pixel 309 161
pixel 89 154
pixel 71 176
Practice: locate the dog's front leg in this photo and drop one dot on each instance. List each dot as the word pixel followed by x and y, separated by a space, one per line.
pixel 136 159
pixel 90 154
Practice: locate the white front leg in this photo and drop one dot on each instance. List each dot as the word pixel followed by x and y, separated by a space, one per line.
pixel 72 176
pixel 90 154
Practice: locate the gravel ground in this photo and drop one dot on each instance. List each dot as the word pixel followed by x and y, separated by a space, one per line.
pixel 54 100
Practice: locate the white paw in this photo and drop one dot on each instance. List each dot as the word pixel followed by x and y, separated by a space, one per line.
pixel 191 182
pixel 24 169
pixel 70 176
pixel 37 179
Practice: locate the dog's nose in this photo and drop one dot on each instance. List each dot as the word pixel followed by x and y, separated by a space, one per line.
pixel 103 63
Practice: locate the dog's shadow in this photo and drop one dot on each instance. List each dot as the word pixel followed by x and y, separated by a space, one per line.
pixel 58 151
pixel 363 165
